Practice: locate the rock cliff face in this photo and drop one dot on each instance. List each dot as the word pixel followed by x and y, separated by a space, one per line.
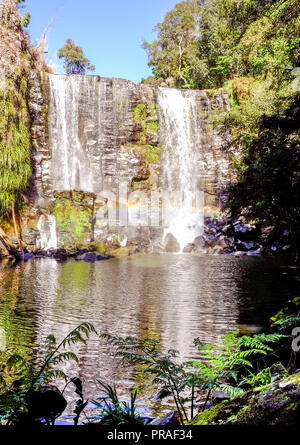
pixel 123 144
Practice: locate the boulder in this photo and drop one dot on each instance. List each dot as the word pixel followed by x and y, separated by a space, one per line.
pixel 200 242
pixel 92 257
pixel 28 256
pixel 171 419
pixel 45 404
pixel 240 253
pixel 189 248
pixel 228 230
pixel 274 404
pixel 219 396
pixel 60 254
pixel 171 244
pixel 162 394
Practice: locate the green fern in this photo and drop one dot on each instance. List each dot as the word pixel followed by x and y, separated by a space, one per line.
pixel 114 412
pixel 29 378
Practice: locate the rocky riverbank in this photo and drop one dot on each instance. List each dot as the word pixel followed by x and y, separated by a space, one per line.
pixel 220 237
pixel 238 238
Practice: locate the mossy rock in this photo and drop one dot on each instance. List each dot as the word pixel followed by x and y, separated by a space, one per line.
pixel 74 216
pixel 275 404
pixel 121 252
pixel 207 416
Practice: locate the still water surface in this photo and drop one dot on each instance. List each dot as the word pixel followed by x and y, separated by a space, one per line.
pixel 173 298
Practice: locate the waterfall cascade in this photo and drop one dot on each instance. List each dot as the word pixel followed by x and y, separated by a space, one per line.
pixel 182 136
pixel 71 169
pixel 47 232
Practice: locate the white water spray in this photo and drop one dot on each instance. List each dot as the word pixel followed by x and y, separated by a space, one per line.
pixel 47 232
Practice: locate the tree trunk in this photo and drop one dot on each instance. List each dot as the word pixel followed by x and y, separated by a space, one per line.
pixel 8 245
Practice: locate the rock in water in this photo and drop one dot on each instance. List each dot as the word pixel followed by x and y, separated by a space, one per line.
pixel 171 244
pixel 171 419
pixel 219 396
pixel 45 404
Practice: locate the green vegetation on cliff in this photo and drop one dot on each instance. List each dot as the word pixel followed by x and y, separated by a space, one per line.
pixel 146 144
pixel 74 213
pixel 15 141
pixel 274 404
pixel 18 58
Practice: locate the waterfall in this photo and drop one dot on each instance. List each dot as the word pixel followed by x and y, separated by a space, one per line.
pixel 91 134
pixel 47 232
pixel 181 138
pixel 70 162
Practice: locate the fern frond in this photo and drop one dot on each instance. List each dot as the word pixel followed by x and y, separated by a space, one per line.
pixel 62 357
pixel 54 374
pixel 287 323
pixel 232 390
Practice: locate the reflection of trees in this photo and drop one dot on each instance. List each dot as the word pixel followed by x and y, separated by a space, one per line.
pixel 15 318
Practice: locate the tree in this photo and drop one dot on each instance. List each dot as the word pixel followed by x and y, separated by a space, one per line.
pixel 176 47
pixel 75 60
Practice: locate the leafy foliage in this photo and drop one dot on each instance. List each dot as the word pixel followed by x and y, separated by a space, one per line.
pixel 269 157
pixel 265 377
pixel 15 142
pixel 26 19
pixel 80 404
pixel 169 375
pixel 201 44
pixel 223 369
pixel 288 317
pixel 75 61
pixel 113 412
pixel 20 379
pixel 220 370
pixel 175 50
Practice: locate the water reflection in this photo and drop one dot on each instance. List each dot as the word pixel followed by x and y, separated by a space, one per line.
pixel 174 298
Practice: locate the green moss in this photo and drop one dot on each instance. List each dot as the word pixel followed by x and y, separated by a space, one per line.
pixel 152 107
pixel 141 181
pixel 45 113
pixel 140 113
pixel 73 219
pixel 121 252
pixel 207 416
pixel 101 248
pixel 152 127
pixel 143 116
pixel 150 153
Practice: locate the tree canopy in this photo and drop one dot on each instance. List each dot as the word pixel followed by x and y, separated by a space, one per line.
pixel 202 44
pixel 75 61
pixel 174 52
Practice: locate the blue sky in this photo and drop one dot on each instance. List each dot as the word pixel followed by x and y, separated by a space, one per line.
pixel 109 31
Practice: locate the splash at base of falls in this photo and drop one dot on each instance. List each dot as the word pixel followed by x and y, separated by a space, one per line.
pixel 184 229
pixel 47 232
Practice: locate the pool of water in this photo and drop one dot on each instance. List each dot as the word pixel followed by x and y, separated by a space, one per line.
pixel 173 298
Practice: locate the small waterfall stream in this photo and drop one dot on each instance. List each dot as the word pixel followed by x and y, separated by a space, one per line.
pixel 180 129
pixel 47 232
